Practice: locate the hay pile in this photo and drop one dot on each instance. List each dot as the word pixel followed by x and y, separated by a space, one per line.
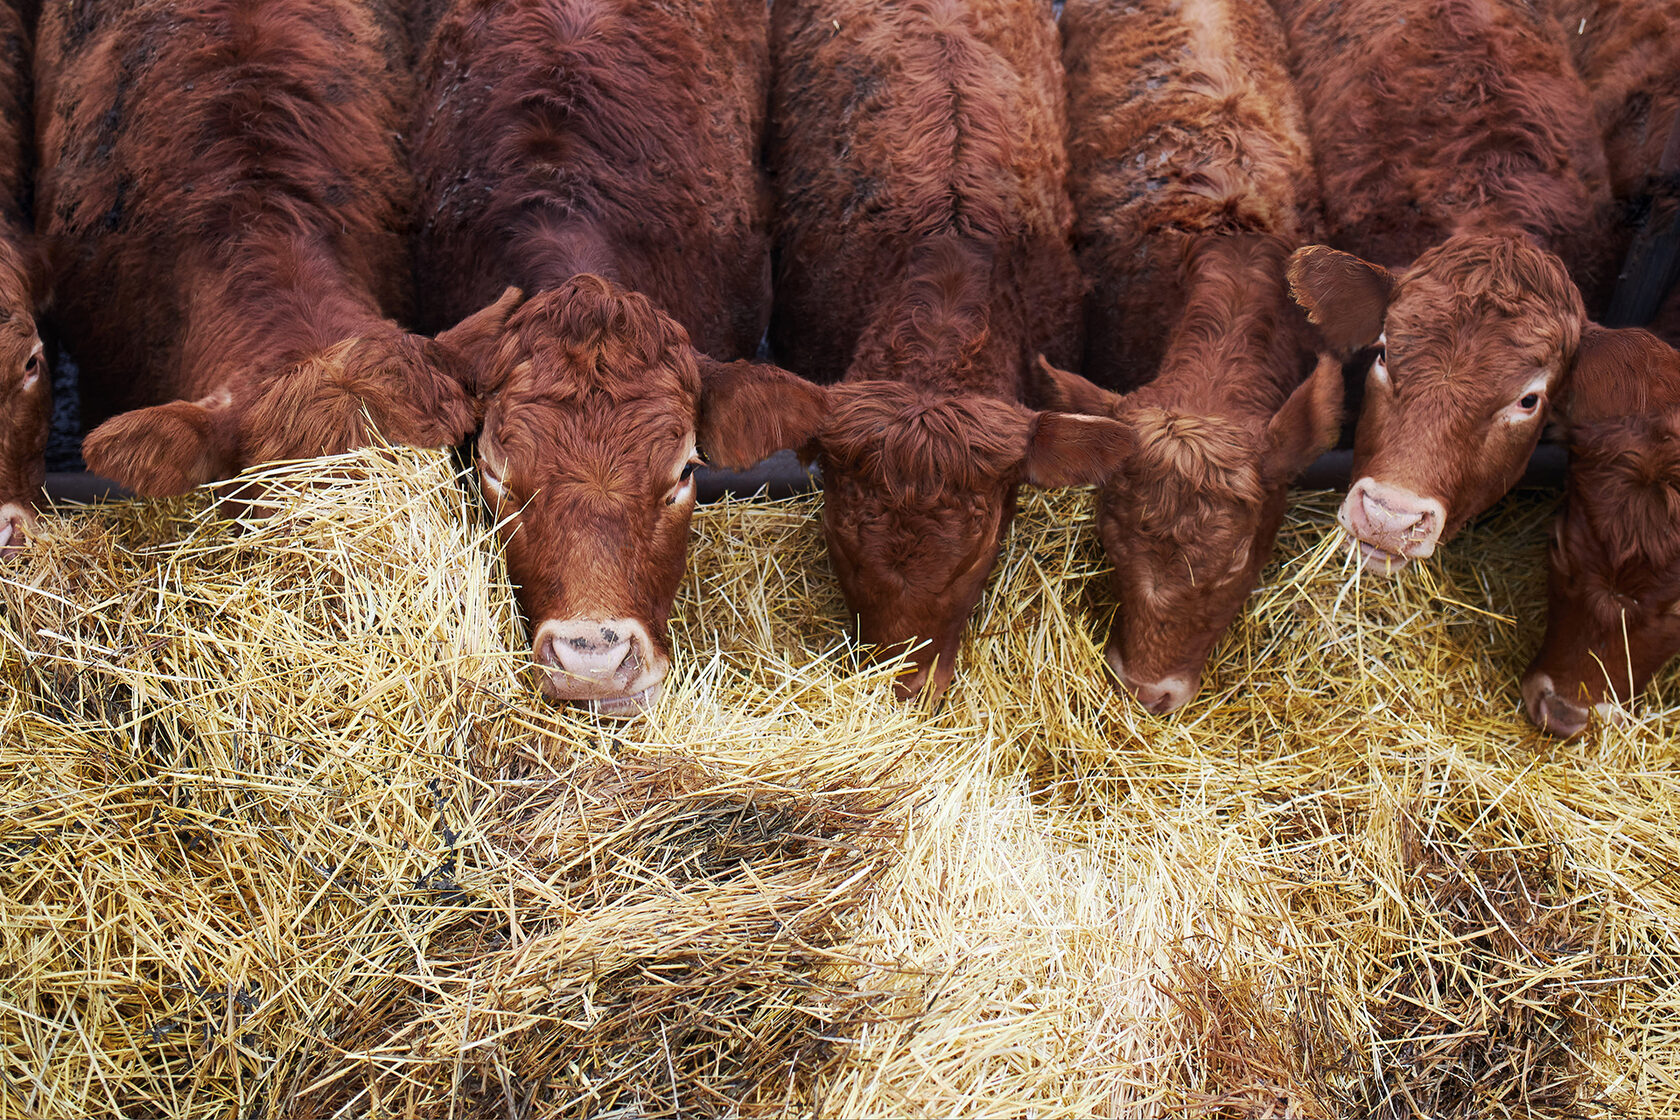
pixel 285 832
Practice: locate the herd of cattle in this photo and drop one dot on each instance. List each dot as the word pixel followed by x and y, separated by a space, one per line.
pixel 236 213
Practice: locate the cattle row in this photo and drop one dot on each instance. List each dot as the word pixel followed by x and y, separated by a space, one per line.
pixel 1214 210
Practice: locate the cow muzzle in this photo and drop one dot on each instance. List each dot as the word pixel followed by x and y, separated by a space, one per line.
pixel 1556 714
pixel 609 665
pixel 927 681
pixel 1392 525
pixel 1157 697
pixel 17 525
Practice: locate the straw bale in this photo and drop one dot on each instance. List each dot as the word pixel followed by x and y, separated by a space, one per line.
pixel 284 830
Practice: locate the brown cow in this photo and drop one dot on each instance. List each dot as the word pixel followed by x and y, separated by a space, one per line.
pixel 1614 586
pixel 922 248
pixel 1628 53
pixel 1192 180
pixel 24 385
pixel 224 195
pixel 1457 150
pixel 582 149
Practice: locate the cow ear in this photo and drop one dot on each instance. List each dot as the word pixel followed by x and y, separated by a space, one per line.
pixel 1068 392
pixel 1067 449
pixel 1308 423
pixel 472 341
pixel 166 449
pixel 1345 297
pixel 749 411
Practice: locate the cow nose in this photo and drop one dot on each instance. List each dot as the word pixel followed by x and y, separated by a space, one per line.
pixel 610 664
pixel 1162 696
pixel 1397 524
pixel 1550 712
pixel 926 684
pixel 1158 697
pixel 17 524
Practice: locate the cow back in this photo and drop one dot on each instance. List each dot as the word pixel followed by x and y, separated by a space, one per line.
pixel 556 137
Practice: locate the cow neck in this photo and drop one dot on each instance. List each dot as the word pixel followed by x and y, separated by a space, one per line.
pixel 940 330
pixel 267 304
pixel 1234 351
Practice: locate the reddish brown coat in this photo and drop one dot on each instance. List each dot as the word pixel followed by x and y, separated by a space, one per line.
pixel 25 387
pixel 1613 614
pixel 1183 123
pixel 922 255
pixel 1192 179
pixel 1456 146
pixel 601 154
pixel 1628 53
pixel 224 195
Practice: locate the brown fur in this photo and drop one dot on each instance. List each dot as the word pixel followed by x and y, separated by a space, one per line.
pixel 1434 118
pixel 224 196
pixel 1456 144
pixel 922 246
pixel 1183 123
pixel 602 154
pixel 612 136
pixel 1628 54
pixel 1468 328
pixel 25 386
pixel 1614 596
pixel 1193 180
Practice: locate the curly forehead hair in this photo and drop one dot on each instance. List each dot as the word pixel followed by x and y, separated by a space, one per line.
pixel 1507 276
pixel 1188 471
pixel 590 336
pixel 917 444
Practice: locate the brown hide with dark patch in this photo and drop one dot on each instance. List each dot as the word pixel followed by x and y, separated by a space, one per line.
pixel 1613 614
pixel 25 387
pixel 922 255
pixel 1457 148
pixel 602 154
pixel 224 195
pixel 1193 181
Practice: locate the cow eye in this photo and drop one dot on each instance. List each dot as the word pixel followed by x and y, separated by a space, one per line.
pixel 688 470
pixel 492 481
pixel 1530 402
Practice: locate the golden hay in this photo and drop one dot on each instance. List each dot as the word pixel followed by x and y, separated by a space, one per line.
pixel 285 831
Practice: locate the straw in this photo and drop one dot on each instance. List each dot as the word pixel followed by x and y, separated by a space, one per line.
pixel 285 829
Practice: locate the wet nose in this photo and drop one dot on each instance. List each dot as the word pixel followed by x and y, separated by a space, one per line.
pixel 1551 712
pixel 610 663
pixel 1392 520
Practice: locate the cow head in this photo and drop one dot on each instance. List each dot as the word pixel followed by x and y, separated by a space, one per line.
pixel 918 488
pixel 26 389
pixel 1472 345
pixel 1188 521
pixel 1613 602
pixel 413 390
pixel 597 412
